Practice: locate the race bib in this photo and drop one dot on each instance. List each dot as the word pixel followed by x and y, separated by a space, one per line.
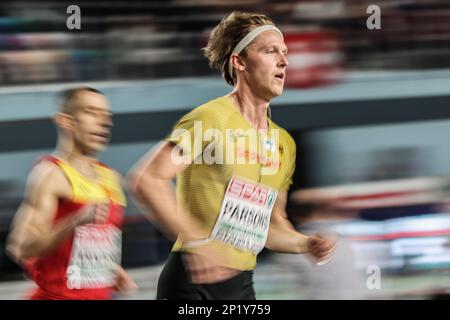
pixel 244 216
pixel 96 253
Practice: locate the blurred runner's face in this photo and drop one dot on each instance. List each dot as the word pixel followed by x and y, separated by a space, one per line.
pixel 265 64
pixel 92 122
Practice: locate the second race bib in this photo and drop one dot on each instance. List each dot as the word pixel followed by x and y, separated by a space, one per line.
pixel 96 253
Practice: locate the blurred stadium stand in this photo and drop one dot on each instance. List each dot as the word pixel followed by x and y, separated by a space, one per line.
pixel 158 39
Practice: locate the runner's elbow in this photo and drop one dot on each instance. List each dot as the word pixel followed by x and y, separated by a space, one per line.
pixel 132 180
pixel 11 251
pixel 138 182
pixel 16 252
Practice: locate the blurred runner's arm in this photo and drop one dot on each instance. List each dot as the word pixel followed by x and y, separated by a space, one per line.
pixel 124 284
pixel 33 233
pixel 283 237
pixel 151 184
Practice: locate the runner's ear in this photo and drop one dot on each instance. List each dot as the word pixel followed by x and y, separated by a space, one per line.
pixel 63 120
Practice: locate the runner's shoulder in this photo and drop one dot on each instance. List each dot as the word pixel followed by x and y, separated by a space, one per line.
pixel 211 110
pixel 49 176
pixel 112 172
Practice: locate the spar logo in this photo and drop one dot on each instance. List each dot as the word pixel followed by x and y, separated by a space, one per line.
pixel 248 191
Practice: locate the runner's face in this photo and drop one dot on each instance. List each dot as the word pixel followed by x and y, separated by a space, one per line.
pixel 265 64
pixel 92 122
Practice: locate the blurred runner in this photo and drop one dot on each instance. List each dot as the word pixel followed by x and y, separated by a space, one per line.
pixel 233 166
pixel 67 232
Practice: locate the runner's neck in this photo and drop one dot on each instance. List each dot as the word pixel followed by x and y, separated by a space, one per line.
pixel 83 164
pixel 252 109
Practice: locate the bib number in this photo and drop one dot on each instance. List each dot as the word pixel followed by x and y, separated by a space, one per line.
pixel 96 253
pixel 244 216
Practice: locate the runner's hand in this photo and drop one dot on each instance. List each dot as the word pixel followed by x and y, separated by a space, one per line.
pixel 124 284
pixel 321 247
pixel 92 213
pixel 204 266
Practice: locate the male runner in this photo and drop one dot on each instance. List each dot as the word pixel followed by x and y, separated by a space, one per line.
pixel 67 231
pixel 231 162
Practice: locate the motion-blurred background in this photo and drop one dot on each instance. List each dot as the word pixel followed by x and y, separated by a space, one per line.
pixel 369 110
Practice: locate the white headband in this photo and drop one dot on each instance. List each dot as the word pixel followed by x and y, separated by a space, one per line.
pixel 247 39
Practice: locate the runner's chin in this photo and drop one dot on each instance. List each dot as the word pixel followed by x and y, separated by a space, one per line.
pixel 277 87
pixel 98 144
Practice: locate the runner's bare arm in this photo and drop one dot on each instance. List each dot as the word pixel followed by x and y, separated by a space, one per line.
pixel 33 232
pixel 124 283
pixel 282 235
pixel 150 182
